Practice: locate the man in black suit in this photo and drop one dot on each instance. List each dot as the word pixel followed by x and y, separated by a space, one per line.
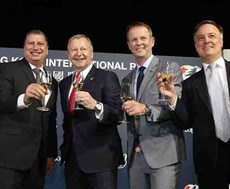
pixel 91 145
pixel 199 109
pixel 28 139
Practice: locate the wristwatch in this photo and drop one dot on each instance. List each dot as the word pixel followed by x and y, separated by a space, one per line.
pixel 148 109
pixel 98 107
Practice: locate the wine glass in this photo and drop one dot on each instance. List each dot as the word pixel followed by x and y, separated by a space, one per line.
pixel 125 96
pixel 165 75
pixel 46 82
pixel 77 86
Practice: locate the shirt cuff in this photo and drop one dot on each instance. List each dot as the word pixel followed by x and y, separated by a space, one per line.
pixel 172 106
pixel 20 102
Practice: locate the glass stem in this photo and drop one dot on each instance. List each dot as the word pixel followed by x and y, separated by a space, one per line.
pixel 124 115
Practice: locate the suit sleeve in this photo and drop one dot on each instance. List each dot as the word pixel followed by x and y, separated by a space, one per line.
pixel 111 99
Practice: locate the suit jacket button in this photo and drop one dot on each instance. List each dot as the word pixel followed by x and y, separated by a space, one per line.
pixel 138 149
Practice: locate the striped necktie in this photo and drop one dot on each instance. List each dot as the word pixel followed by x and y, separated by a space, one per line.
pixel 37 72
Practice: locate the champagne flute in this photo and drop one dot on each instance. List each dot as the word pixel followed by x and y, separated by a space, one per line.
pixel 165 75
pixel 125 96
pixel 46 82
pixel 77 85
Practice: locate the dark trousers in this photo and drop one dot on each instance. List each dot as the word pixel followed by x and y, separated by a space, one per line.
pixel 218 176
pixel 76 178
pixel 33 178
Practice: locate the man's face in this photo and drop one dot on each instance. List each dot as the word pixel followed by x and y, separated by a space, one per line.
pixel 80 53
pixel 36 49
pixel 140 42
pixel 208 42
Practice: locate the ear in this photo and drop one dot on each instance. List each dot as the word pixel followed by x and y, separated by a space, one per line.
pixel 222 43
pixel 128 45
pixel 153 41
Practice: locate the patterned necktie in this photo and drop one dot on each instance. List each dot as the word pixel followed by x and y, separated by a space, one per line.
pixel 37 75
pixel 140 78
pixel 220 112
pixel 72 95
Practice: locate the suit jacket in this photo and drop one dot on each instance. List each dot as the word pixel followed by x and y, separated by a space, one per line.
pixel 161 141
pixel 97 143
pixel 194 111
pixel 21 130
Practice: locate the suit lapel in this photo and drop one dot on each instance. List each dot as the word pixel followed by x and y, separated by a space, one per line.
pixel 28 74
pixel 153 67
pixel 227 64
pixel 67 85
pixel 202 88
pixel 27 70
pixel 89 78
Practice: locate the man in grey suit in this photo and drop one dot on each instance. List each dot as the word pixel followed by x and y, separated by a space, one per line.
pixel 156 147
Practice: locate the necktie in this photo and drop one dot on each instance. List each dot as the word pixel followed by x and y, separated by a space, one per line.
pixel 140 77
pixel 72 95
pixel 220 112
pixel 37 75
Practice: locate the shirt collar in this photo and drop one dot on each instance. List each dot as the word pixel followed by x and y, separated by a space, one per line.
pixel 41 68
pixel 146 64
pixel 220 62
pixel 85 72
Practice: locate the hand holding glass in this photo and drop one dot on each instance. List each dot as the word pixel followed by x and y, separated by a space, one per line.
pixel 165 76
pixel 125 96
pixel 46 82
pixel 77 86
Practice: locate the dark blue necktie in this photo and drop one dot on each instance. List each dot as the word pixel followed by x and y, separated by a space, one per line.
pixel 140 77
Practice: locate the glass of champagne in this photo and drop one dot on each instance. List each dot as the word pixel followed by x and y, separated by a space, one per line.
pixel 165 75
pixel 125 96
pixel 78 86
pixel 46 82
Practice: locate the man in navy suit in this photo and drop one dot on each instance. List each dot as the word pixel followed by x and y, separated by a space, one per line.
pixel 197 108
pixel 28 139
pixel 91 145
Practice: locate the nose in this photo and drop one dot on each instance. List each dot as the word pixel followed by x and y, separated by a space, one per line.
pixel 139 41
pixel 206 39
pixel 36 46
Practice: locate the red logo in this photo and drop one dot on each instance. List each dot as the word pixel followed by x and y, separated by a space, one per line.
pixel 191 186
pixel 188 70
